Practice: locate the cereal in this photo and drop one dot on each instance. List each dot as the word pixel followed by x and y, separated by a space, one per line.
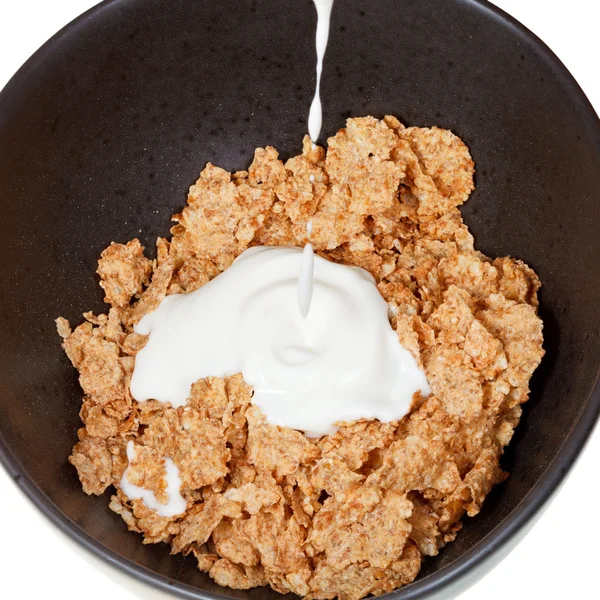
pixel 200 521
pixel 154 293
pixel 279 540
pixel 332 475
pixel 275 449
pixel 440 168
pixel 196 444
pixel 254 496
pixel 123 271
pixel 93 462
pixel 229 574
pixel 453 379
pixel 355 512
pixel 367 525
pixel 100 371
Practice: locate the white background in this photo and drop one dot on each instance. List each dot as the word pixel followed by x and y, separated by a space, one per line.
pixel 557 559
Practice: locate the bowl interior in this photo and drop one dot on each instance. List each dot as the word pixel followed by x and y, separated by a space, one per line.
pixel 107 126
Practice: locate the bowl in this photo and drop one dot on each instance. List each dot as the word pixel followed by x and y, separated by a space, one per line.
pixel 105 127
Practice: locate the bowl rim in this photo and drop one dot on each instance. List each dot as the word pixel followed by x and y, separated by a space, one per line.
pixel 491 544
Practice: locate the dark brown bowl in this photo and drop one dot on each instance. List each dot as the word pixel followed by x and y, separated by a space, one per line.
pixel 104 128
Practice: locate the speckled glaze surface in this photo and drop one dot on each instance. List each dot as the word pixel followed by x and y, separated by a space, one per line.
pixel 103 130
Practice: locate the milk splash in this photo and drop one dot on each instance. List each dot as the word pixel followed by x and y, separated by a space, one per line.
pixel 340 362
pixel 175 505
